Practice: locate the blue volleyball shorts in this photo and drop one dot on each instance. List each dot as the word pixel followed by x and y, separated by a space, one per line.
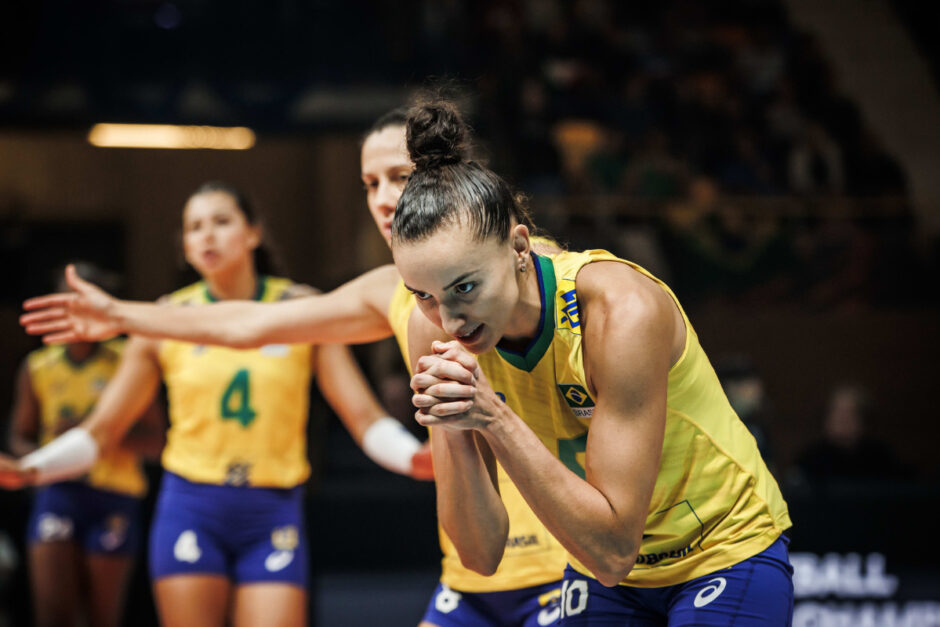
pixel 246 534
pixel 757 592
pixel 99 521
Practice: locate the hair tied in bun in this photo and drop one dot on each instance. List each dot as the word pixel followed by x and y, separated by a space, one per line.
pixel 436 135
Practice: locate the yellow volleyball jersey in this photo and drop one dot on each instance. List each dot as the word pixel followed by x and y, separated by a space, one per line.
pixel 237 417
pixel 68 390
pixel 533 556
pixel 714 503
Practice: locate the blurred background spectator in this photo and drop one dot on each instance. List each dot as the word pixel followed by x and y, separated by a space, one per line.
pixel 746 393
pixel 846 451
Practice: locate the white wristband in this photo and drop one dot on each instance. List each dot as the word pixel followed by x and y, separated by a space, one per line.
pixel 390 445
pixel 70 455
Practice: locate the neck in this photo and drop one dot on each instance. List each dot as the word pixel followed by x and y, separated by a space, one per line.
pixel 240 283
pixel 80 351
pixel 528 311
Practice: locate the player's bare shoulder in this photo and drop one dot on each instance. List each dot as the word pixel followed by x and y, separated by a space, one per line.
pixel 618 286
pixel 612 293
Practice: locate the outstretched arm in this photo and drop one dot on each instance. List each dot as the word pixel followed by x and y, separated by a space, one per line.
pixel 354 312
pixel 383 438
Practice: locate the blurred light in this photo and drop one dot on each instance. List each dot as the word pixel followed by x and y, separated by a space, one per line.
pixel 171 136
pixel 167 16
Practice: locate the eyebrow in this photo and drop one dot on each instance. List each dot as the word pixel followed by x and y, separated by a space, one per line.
pixel 459 279
pixel 456 281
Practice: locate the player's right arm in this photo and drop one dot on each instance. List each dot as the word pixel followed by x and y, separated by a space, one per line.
pixel 129 392
pixel 353 313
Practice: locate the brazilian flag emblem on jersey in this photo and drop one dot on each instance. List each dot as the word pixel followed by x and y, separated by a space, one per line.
pixel 578 399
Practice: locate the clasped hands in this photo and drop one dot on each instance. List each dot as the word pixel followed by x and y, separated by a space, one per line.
pixel 451 391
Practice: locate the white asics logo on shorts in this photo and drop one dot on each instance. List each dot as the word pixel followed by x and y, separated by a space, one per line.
pixel 447 600
pixel 278 561
pixel 187 548
pixel 709 593
pixel 54 528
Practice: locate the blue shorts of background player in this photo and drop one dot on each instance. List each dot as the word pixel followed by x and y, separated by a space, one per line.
pixel 99 521
pixel 752 593
pixel 526 607
pixel 245 534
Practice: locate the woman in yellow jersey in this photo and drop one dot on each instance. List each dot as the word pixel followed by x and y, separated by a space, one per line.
pixel 520 589
pixel 581 374
pixel 227 541
pixel 84 535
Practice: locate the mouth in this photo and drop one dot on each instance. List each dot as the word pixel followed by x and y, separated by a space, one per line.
pixel 470 336
pixel 209 256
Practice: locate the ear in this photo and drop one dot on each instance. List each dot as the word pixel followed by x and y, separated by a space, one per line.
pixel 519 235
pixel 255 235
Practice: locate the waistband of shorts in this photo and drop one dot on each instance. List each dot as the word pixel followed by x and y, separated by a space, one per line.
pixel 173 482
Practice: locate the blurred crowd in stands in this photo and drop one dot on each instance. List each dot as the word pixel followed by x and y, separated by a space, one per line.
pixel 640 98
pixel 841 451
pixel 697 116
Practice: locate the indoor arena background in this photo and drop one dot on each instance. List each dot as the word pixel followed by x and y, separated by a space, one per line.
pixel 777 162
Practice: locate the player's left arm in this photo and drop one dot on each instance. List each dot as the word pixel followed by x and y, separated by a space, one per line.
pixel 632 333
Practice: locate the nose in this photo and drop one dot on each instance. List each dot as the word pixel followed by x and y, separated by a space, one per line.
pixel 452 322
pixel 207 235
pixel 387 197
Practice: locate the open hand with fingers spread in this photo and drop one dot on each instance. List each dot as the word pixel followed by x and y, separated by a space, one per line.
pixel 86 314
pixel 450 390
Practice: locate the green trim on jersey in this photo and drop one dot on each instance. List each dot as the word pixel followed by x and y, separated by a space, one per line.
pixel 259 290
pixel 545 273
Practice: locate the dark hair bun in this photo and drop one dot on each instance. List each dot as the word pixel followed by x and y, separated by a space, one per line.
pixel 436 135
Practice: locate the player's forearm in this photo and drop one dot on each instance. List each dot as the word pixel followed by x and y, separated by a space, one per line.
pixel 574 511
pixel 346 390
pixel 337 317
pixel 223 324
pixel 469 506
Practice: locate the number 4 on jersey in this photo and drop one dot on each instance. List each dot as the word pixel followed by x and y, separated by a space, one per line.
pixel 236 400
